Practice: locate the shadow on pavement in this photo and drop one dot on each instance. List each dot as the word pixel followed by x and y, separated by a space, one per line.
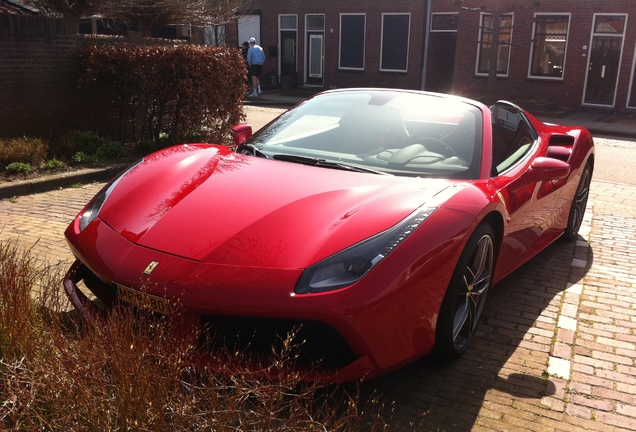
pixel 505 368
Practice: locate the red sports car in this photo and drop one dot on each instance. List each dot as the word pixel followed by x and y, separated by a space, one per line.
pixel 372 221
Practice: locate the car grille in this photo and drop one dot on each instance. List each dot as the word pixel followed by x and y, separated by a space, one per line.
pixel 315 343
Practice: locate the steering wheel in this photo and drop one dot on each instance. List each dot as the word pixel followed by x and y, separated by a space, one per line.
pixel 435 145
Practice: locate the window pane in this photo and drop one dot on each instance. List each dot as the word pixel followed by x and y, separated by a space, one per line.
pixel 444 22
pixel 315 22
pixel 609 24
pixel 548 51
pixel 352 41
pixel 288 22
pixel 395 42
pixel 485 46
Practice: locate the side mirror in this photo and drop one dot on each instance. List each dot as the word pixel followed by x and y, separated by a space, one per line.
pixel 546 169
pixel 240 133
pixel 543 169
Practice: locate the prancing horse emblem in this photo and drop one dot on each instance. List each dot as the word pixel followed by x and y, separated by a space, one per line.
pixel 151 267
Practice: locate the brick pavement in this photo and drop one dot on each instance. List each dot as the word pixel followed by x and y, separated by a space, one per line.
pixel 555 350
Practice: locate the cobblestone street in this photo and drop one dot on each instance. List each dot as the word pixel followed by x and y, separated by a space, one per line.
pixel 555 350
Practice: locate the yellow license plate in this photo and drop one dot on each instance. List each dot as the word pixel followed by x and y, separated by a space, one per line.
pixel 143 300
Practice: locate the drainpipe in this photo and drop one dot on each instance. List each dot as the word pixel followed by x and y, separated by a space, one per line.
pixel 427 34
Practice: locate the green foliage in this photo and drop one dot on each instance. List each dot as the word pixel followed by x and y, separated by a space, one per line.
pixel 178 91
pixel 111 150
pixel 78 141
pixel 53 164
pixel 24 149
pixel 87 147
pixel 19 168
pixel 81 157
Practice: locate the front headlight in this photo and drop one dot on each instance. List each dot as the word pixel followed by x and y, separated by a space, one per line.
pixel 92 210
pixel 350 265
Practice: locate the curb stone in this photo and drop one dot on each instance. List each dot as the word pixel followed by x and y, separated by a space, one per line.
pixel 59 181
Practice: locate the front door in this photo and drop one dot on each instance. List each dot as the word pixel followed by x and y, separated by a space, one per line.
pixel 315 58
pixel 288 54
pixel 605 55
pixel 441 62
pixel 604 59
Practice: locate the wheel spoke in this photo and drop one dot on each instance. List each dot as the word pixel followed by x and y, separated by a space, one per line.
pixel 472 294
pixel 461 316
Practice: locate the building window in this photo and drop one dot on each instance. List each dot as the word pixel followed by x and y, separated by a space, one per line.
pixel 315 22
pixel 288 22
pixel 609 24
pixel 394 54
pixel 444 22
pixel 502 55
pixel 352 35
pixel 548 46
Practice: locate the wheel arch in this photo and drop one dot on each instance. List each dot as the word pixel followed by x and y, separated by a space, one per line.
pixel 496 222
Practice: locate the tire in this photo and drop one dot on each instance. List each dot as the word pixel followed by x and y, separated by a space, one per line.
pixel 579 203
pixel 466 295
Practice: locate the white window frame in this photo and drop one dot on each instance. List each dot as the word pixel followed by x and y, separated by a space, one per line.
pixel 408 42
pixel 306 41
pixel 565 53
pixel 482 16
pixel 280 22
pixel 280 41
pixel 620 61
pixel 364 45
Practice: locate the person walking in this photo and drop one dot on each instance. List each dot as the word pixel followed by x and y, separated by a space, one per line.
pixel 255 60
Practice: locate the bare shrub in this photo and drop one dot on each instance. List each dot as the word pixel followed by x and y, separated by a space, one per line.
pixel 25 149
pixel 133 372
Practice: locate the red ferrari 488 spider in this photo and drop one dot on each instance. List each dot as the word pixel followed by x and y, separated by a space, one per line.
pixel 373 222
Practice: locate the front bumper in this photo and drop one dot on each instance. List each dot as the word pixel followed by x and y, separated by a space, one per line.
pixel 320 353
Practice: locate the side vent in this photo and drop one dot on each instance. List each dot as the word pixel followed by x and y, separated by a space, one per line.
pixel 561 140
pixel 560 147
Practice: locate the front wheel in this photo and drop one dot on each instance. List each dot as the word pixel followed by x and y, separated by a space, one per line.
pixel 579 203
pixel 466 295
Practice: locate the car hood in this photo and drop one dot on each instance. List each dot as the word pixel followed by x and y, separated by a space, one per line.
pixel 208 204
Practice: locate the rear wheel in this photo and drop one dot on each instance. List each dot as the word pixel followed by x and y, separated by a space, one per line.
pixel 579 203
pixel 466 295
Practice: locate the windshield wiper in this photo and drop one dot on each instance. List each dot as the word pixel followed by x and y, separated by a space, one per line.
pixel 318 162
pixel 250 149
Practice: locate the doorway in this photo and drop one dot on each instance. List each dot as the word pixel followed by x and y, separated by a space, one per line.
pixel 604 60
pixel 288 37
pixel 288 53
pixel 315 55
pixel 442 45
pixel 314 66
pixel 441 62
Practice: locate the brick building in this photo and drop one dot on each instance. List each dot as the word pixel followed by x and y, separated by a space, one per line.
pixel 573 52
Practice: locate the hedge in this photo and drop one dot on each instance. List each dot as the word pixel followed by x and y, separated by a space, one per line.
pixel 168 94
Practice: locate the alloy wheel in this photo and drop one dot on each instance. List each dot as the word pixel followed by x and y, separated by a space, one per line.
pixel 473 292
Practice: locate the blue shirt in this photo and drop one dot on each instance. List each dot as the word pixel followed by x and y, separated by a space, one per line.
pixel 255 55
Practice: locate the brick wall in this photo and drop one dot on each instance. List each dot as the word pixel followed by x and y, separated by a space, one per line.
pixel 39 93
pixel 38 78
pixel 371 76
pixel 517 86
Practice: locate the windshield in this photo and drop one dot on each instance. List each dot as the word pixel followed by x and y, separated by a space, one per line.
pixel 391 132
